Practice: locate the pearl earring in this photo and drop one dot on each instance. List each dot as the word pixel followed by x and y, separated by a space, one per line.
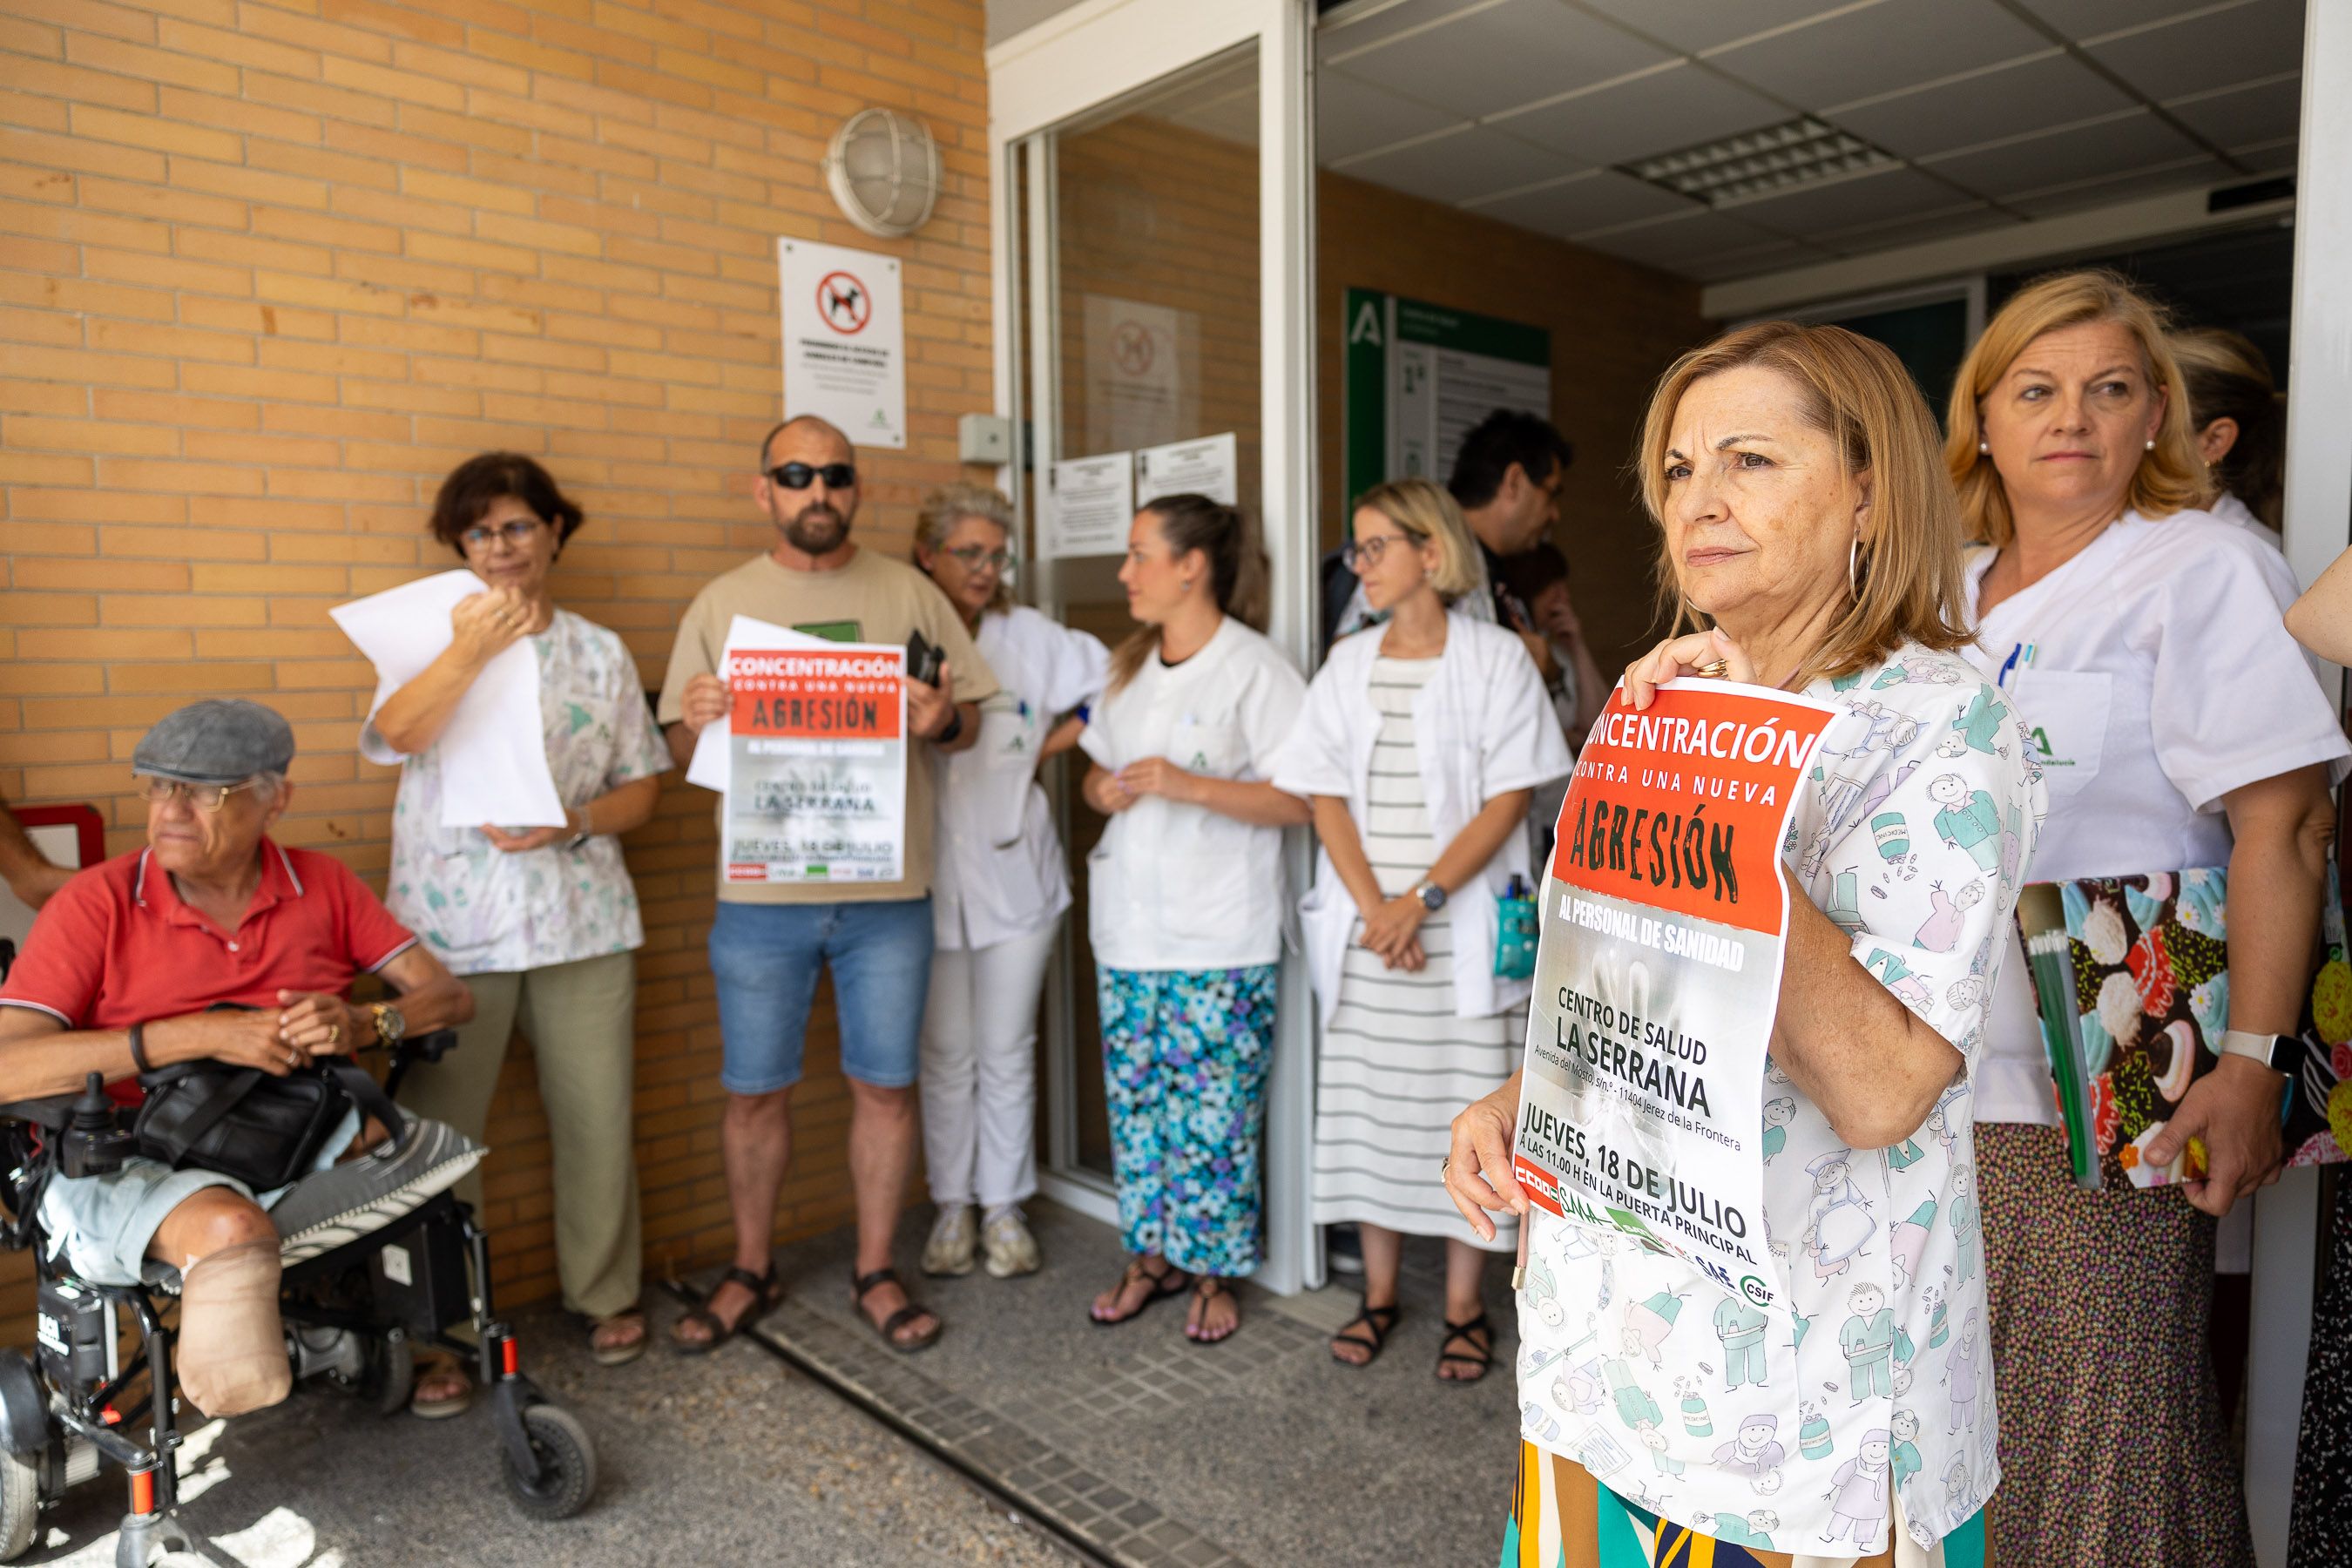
pixel 2151 446
pixel 1984 448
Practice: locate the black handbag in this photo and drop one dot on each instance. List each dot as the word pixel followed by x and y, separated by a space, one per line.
pixel 240 1121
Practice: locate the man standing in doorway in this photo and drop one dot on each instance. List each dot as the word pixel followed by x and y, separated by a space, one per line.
pixel 770 940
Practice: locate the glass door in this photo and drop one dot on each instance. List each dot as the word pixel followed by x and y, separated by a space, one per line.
pixel 1151 295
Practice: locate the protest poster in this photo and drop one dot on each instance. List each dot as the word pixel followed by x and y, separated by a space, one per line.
pixel 816 755
pixel 1658 972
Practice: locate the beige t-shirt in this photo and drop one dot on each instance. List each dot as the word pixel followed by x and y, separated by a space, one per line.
pixel 873 599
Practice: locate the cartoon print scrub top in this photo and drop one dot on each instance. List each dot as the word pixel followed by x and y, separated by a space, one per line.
pixel 1913 834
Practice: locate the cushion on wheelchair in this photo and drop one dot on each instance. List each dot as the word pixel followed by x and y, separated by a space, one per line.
pixel 338 1205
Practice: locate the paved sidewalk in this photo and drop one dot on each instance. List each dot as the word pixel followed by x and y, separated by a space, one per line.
pixel 728 1458
pixel 1260 1452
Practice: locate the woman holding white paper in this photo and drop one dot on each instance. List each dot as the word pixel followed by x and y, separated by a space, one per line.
pixel 2140 634
pixel 1421 743
pixel 1802 511
pixel 544 922
pixel 999 888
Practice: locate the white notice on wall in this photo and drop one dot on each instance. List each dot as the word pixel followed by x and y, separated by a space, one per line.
pixel 1089 502
pixel 844 340
pixel 1137 392
pixel 1207 467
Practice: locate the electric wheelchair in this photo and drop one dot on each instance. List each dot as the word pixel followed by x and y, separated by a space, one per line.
pixel 355 1306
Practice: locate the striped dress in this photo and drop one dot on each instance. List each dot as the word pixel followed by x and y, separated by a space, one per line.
pixel 1396 1063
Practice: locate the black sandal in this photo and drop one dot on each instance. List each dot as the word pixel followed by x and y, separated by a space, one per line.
pixel 1169 1282
pixel 1205 1290
pixel 866 1284
pixel 1379 1320
pixel 765 1295
pixel 1481 1358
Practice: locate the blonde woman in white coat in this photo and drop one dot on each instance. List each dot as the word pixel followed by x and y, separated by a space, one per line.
pixel 1421 743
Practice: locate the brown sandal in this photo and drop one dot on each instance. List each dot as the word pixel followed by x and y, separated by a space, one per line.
pixel 766 1292
pixel 866 1284
pixel 1169 1282
pixel 1205 1290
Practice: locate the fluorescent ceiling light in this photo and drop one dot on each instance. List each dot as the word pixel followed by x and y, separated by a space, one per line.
pixel 1767 162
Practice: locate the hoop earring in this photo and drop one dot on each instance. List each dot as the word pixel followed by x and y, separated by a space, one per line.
pixel 1853 568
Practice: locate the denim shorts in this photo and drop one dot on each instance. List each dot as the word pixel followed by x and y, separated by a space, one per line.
pixel 766 959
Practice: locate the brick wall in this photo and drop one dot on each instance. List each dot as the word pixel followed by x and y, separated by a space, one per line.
pixel 269 267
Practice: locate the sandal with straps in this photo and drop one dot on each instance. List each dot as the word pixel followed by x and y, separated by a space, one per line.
pixel 866 1285
pixel 1379 1319
pixel 1169 1282
pixel 766 1292
pixel 1205 1290
pixel 1481 1357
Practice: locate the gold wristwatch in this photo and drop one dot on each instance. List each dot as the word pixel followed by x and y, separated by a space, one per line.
pixel 389 1025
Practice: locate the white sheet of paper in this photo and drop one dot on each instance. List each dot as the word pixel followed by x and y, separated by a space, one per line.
pixel 1209 467
pixel 494 758
pixel 707 766
pixel 1090 502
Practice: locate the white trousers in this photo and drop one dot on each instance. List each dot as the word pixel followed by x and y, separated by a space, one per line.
pixel 980 1070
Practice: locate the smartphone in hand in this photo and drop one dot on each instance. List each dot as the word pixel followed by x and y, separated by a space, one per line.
pixel 924 660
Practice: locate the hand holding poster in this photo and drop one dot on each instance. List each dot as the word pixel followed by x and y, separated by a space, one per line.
pixel 816 780
pixel 1659 972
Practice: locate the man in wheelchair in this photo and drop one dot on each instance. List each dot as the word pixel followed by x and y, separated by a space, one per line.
pixel 215 942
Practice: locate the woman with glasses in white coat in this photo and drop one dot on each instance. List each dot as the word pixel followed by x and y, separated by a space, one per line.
pixel 1422 743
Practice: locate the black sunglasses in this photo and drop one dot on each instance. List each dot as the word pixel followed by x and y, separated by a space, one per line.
pixel 796 476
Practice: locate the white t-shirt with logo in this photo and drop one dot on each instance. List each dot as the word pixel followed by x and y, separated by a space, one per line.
pixel 2161 677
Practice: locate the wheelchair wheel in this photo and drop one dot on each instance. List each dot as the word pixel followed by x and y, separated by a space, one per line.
pixel 391 1371
pixel 567 1461
pixel 20 1504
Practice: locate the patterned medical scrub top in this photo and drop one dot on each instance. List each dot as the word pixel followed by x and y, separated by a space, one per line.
pixel 1912 834
pixel 484 912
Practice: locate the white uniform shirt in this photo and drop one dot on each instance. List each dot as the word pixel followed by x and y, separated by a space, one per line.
pixel 2162 678
pixel 1173 886
pixel 1913 833
pixel 999 872
pixel 1481 727
pixel 2230 508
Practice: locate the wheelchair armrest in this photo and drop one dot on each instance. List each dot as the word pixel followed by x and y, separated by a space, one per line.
pixel 429 1047
pixel 51 1113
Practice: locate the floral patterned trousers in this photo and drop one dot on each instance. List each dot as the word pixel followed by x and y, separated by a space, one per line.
pixel 1184 1062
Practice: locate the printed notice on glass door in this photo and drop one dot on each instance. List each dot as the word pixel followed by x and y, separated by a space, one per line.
pixel 816 780
pixel 1089 505
pixel 1658 972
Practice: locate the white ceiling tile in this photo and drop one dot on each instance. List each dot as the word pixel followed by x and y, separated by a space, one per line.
pixel 2081 19
pixel 2033 94
pixel 2110 147
pixel 1461 166
pixel 1231 118
pixel 2215 48
pixel 1352 116
pixel 1504 56
pixel 1696 24
pixel 2123 187
pixel 1972 219
pixel 1700 241
pixel 1842 204
pixel 1678 107
pixel 1723 266
pixel 1600 200
pixel 2268 157
pixel 2259 111
pixel 1894 43
pixel 1335 39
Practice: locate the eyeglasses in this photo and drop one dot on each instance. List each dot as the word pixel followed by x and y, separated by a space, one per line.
pixel 203 797
pixel 1359 554
pixel 516 531
pixel 973 557
pixel 796 476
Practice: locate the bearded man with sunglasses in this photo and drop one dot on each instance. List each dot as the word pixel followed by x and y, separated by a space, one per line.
pixel 772 940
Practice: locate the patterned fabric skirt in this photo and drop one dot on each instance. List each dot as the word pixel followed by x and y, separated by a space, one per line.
pixel 1185 1053
pixel 2321 1535
pixel 1562 1518
pixel 2112 1449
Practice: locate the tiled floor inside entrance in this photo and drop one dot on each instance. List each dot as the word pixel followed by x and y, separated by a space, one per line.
pixel 1159 1452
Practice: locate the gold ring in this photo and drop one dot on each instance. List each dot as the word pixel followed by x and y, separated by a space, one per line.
pixel 334 1033
pixel 1713 670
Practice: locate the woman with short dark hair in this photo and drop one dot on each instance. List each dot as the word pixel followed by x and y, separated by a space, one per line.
pixel 544 922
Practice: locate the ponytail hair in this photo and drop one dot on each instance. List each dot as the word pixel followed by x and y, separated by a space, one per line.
pixel 2228 378
pixel 1238 569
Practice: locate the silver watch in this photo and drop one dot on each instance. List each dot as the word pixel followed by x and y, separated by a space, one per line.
pixel 1431 896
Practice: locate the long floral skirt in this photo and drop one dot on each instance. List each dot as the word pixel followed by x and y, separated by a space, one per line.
pixel 1185 1053
pixel 2112 1450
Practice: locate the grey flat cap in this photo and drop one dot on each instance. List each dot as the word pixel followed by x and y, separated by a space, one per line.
pixel 225 740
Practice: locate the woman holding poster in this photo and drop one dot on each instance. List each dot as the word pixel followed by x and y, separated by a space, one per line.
pixel 542 924
pixel 1424 739
pixel 1753 1308
pixel 2185 740
pixel 998 891
pixel 1186 901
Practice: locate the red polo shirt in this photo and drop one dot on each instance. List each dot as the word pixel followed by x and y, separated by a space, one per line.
pixel 115 946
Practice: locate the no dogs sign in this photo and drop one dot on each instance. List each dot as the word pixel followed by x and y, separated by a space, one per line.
pixel 844 340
